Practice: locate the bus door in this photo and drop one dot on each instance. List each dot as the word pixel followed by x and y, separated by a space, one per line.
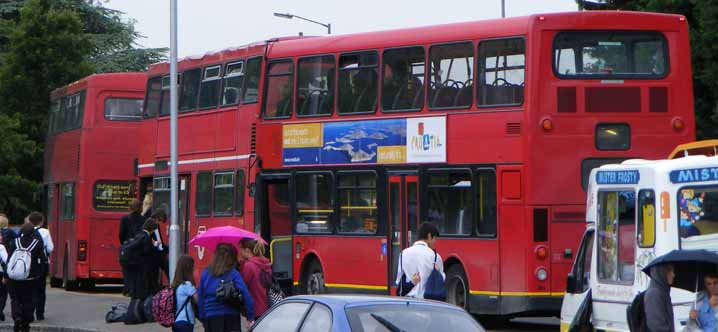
pixel 275 225
pixel 161 192
pixel 403 219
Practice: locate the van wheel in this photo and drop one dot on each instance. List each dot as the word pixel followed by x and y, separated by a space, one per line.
pixel 70 285
pixel 457 287
pixel 313 279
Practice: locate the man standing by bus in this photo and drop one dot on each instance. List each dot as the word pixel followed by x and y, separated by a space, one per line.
pixel 703 316
pixel 130 225
pixel 420 259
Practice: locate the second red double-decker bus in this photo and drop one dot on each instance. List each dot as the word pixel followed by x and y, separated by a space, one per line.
pixel 487 129
pixel 90 155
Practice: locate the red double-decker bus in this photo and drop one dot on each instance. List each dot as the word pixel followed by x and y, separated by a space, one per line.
pixel 488 129
pixel 91 149
pixel 336 148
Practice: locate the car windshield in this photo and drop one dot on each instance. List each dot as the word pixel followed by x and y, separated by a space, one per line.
pixel 410 317
pixel 698 217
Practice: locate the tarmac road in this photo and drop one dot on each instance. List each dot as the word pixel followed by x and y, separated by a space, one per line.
pixel 86 310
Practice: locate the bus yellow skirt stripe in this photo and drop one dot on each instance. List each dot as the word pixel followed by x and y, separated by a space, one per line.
pixel 493 293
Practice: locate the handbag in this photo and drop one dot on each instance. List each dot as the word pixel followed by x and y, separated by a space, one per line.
pixel 405 286
pixel 229 294
pixel 435 285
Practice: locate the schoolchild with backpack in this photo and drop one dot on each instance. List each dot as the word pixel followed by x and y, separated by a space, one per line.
pixel 24 271
pixel 7 235
pixel 175 306
pixel 256 270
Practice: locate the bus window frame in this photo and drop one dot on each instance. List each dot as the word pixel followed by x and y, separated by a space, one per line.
pixel 266 78
pixel 424 187
pixel 62 215
pixel 475 189
pixel 666 52
pixel 423 88
pixel 147 93
pixel 380 222
pixel 428 69
pixel 478 66
pixel 210 192
pixel 260 80
pixel 334 89
pixel 104 108
pixel 224 78
pixel 180 89
pixel 378 80
pixel 294 213
pixel 595 135
pixel 204 79
pixel 231 172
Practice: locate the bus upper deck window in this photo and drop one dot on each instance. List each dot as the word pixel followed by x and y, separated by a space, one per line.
pixel 613 136
pixel 610 54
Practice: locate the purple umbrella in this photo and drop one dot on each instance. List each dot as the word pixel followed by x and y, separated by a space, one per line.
pixel 224 234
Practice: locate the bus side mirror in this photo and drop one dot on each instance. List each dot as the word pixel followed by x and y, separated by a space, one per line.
pixel 571 284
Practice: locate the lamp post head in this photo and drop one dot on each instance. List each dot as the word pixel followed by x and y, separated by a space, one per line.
pixel 282 15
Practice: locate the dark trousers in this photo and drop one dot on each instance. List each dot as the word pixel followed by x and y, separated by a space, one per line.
pixel 3 297
pixel 23 306
pixel 40 296
pixel 227 323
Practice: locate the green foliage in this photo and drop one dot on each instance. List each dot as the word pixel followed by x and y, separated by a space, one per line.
pixel 16 150
pixel 702 17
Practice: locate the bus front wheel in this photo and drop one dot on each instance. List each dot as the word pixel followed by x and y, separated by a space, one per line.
pixel 457 287
pixel 313 279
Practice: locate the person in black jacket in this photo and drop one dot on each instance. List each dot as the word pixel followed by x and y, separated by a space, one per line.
pixel 142 280
pixel 22 291
pixel 162 249
pixel 657 301
pixel 130 226
pixel 8 236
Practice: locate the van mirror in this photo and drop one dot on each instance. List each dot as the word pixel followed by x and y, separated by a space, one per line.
pixel 571 284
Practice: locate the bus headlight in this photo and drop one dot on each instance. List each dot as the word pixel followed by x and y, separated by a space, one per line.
pixel 541 274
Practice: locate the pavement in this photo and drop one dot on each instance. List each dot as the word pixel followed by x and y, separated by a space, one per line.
pixel 85 312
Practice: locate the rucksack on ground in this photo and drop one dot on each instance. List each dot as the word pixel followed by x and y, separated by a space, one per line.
pixel 163 306
pixel 18 267
pixel 135 312
pixel 117 313
pixel 147 309
pixel 636 314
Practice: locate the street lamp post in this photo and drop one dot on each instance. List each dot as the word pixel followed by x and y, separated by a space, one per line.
pixel 291 16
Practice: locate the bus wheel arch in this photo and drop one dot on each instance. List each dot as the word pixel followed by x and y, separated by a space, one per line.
pixel 312 276
pixel 457 284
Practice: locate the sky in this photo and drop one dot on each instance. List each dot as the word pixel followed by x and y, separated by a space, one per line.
pixel 210 25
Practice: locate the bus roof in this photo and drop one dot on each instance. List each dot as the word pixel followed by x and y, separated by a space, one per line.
pixel 105 80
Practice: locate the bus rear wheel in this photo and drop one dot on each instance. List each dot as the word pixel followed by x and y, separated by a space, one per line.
pixel 457 287
pixel 313 282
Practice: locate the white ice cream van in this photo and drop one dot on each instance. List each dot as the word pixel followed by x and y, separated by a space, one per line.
pixel 636 211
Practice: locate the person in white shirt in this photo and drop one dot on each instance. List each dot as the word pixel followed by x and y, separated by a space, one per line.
pixel 38 220
pixel 417 261
pixel 3 286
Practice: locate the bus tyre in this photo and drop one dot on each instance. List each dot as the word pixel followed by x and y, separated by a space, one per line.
pixel 313 279
pixel 55 282
pixel 457 287
pixel 70 285
pixel 87 285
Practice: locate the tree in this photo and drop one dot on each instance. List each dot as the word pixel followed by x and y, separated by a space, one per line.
pixel 702 17
pixel 16 192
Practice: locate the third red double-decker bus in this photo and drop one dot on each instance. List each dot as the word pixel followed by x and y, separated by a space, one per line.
pixel 91 150
pixel 488 129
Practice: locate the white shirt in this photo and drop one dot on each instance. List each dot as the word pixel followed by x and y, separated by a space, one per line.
pixel 47 240
pixel 418 258
pixel 3 254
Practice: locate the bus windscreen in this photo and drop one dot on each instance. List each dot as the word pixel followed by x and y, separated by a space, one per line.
pixel 610 54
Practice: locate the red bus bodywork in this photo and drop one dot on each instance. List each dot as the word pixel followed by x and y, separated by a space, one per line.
pixel 536 155
pixel 93 162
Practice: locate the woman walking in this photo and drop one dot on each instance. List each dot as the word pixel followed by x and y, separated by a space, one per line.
pixel 185 295
pixel 216 315
pixel 256 270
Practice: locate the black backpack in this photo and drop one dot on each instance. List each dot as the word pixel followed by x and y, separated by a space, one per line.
pixel 636 314
pixel 129 250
